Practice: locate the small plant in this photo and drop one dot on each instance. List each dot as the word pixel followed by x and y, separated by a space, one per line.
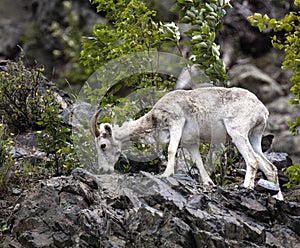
pixel 25 105
pixel 20 104
pixel 54 139
pixel 6 160
pixel 227 163
pixel 293 173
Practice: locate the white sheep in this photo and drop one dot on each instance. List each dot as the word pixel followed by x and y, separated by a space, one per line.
pixel 187 118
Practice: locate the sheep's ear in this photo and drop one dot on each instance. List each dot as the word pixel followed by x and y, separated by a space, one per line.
pixel 108 129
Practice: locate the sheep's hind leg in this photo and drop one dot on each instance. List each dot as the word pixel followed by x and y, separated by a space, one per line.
pixel 240 139
pixel 265 165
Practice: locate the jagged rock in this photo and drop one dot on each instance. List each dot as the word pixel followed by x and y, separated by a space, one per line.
pixel 16 191
pixel 293 194
pixel 144 210
pixel 281 161
pixel 267 186
pixel 250 77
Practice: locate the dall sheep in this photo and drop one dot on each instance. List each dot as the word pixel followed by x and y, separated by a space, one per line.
pixel 187 118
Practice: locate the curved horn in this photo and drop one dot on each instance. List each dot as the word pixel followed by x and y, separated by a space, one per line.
pixel 93 124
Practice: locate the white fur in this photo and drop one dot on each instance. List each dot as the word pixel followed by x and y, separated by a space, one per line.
pixel 187 118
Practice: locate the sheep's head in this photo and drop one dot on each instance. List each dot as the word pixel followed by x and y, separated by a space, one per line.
pixel 108 149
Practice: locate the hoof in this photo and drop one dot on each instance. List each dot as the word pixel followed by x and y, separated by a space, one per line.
pixel 279 196
pixel 107 171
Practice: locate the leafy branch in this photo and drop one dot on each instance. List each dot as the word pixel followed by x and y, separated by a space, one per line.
pixel 133 29
pixel 205 18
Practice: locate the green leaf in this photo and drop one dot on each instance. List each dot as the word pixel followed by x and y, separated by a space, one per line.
pixel 257 16
pixel 4 227
pixel 176 7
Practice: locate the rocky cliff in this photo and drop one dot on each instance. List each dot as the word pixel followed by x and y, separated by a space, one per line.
pixel 143 210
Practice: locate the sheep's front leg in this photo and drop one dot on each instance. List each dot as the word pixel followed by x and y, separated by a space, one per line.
pixel 175 136
pixel 196 157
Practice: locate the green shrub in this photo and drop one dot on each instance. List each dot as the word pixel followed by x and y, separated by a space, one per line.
pixel 133 30
pixel 54 138
pixel 26 105
pixel 6 160
pixel 20 103
pixel 205 18
pixel 293 173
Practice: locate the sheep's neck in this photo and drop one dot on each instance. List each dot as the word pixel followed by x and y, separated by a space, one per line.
pixel 133 131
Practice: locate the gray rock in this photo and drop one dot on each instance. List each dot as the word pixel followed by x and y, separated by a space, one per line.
pixel 18 152
pixel 13 18
pixel 148 211
pixel 280 113
pixel 16 191
pixel 267 186
pixel 250 77
pixel 9 40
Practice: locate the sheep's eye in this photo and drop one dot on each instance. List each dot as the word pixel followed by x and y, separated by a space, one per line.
pixel 103 146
